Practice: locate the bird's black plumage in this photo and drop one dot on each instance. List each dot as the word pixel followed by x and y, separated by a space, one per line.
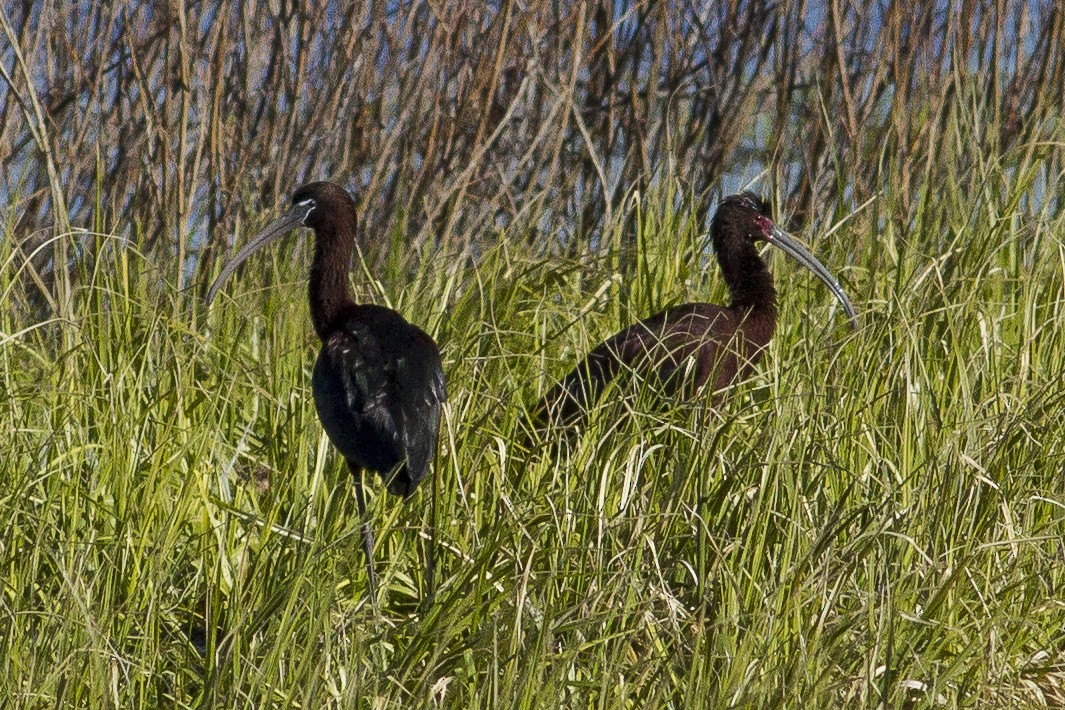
pixel 378 385
pixel 378 382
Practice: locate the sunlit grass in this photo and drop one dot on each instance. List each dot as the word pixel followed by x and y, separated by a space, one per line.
pixel 873 517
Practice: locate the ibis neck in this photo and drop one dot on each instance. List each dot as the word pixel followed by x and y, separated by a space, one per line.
pixel 329 296
pixel 749 282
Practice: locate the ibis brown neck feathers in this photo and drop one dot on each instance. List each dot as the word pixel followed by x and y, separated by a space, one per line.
pixel 749 282
pixel 329 297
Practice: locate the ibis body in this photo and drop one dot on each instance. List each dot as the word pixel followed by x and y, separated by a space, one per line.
pixel 683 348
pixel 378 381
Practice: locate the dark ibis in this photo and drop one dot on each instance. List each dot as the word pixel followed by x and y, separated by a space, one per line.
pixel 378 382
pixel 683 348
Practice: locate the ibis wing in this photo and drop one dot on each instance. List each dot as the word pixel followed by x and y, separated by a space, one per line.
pixel 379 386
pixel 658 345
pixel 575 393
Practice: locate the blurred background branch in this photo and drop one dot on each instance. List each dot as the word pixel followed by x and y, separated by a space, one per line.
pixel 169 122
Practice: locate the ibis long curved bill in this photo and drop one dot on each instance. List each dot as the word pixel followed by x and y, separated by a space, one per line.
pixel 797 251
pixel 279 227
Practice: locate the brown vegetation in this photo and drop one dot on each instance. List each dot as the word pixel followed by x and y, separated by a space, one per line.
pixel 456 117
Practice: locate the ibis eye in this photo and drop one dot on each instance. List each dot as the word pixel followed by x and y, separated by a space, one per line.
pixel 309 205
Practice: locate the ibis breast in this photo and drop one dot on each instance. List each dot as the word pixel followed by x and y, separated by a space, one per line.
pixel 378 386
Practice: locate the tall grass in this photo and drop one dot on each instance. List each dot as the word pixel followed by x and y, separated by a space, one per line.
pixel 873 519
pixel 455 117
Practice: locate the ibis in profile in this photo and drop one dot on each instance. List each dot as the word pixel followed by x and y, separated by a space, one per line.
pixel 682 349
pixel 378 382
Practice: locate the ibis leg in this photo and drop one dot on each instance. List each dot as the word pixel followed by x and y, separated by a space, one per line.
pixel 432 531
pixel 367 535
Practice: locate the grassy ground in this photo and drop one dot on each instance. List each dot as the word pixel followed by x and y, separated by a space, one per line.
pixel 874 517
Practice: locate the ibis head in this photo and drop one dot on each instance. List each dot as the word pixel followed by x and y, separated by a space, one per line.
pixel 744 219
pixel 324 207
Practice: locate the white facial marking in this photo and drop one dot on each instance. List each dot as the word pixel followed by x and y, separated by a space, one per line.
pixel 309 204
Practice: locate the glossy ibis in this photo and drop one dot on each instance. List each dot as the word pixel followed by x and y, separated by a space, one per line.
pixel 684 347
pixel 378 383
